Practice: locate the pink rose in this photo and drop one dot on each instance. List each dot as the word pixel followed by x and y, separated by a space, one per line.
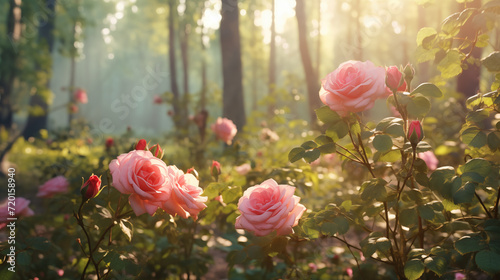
pixel 353 87
pixel 349 272
pixel 460 276
pixel 145 177
pixel 21 209
pixel 268 207
pixel 415 132
pixel 80 96
pixel 430 159
pixel 394 78
pixel 225 130
pixel 186 199
pixel 53 186
pixel 243 169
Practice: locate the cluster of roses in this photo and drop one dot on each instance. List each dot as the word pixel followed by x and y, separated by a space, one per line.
pixel 264 208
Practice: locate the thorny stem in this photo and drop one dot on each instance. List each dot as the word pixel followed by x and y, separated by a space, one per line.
pixel 356 259
pixel 357 158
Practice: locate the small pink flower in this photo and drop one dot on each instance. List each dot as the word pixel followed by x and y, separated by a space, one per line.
pixel 353 87
pixel 243 169
pixel 349 272
pixel 60 272
pixel 268 135
pixel 53 186
pixel 215 170
pixel 393 79
pixel 80 96
pixel 157 99
pixel 73 109
pixel 225 130
pixel 460 276
pixel 430 159
pixel 268 207
pixel 156 151
pixel 21 209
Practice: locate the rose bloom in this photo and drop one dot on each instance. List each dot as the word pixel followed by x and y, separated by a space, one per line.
pixel 353 87
pixel 144 177
pixel 225 130
pixel 80 96
pixel 268 207
pixel 53 186
pixel 186 199
pixel 430 159
pixel 243 169
pixel 21 209
pixel 393 79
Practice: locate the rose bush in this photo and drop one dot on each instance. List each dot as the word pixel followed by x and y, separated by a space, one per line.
pixel 353 87
pixel 269 207
pixel 21 209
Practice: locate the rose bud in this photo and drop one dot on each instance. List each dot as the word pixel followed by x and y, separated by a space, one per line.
pixel 415 133
pixel 141 145
pixel 91 188
pixel 409 73
pixel 156 151
pixel 157 99
pixel 215 171
pixel 394 79
pixel 80 96
pixel 109 143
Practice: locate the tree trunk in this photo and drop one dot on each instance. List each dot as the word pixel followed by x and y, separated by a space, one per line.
pixel 318 42
pixel 310 73
pixel 272 62
pixel 203 98
pixel 37 122
pixel 172 61
pixel 232 96
pixel 359 38
pixel 185 69
pixel 468 80
pixel 9 63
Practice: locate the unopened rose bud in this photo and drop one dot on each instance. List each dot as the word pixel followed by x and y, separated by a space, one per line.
pixel 394 79
pixel 156 151
pixel 215 171
pixel 141 145
pixel 91 188
pixel 415 133
pixel 192 171
pixel 109 143
pixel 409 72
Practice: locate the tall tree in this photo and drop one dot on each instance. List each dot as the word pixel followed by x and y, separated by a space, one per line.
pixel 172 60
pixel 311 75
pixel 272 58
pixel 232 97
pixel 8 67
pixel 38 121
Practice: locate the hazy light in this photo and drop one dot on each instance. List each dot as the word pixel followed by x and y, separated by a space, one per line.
pixel 211 19
pixel 119 15
pixel 243 12
pixel 120 6
pixel 397 28
pixel 160 10
pixel 105 31
pixel 111 56
pixel 134 9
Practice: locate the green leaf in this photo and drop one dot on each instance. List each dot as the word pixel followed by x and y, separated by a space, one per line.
pixel 374 189
pixel 469 244
pixel 309 145
pixel 424 33
pixel 441 181
pixel 23 259
pixel 492 62
pixel 391 156
pixel 342 225
pixel 488 261
pixel 418 106
pixel 213 190
pixel 323 140
pixel 493 140
pixel 337 131
pixel 231 194
pixel 428 89
pixel 127 231
pixel 408 217
pixel 426 212
pixel 414 269
pixel 382 142
pixel 309 228
pixel 436 264
pixel 312 155
pixel 346 204
pixel 327 116
pixel 465 193
pixel 474 137
pixel 477 166
pixel 329 148
pixel 477 116
pixel 450 65
pixel 329 228
pixel 296 154
pixel 492 7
